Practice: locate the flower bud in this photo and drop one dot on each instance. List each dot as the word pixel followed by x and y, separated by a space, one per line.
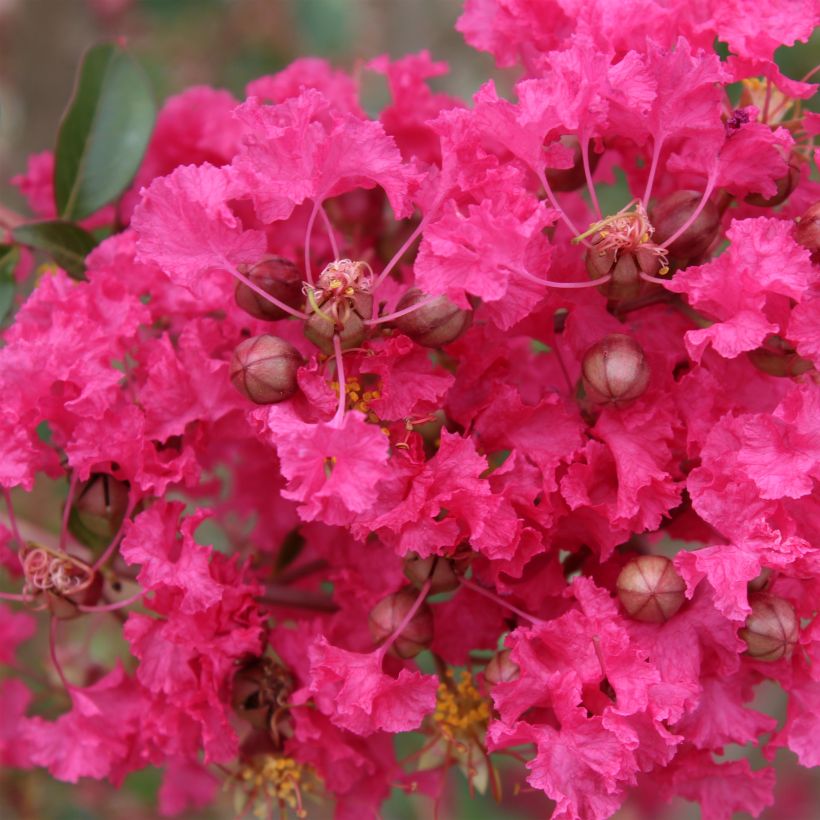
pixel 388 614
pixel 785 185
pixel 807 231
pixel 625 268
pixel 761 582
pixel 501 669
pixel 671 213
pixel 778 358
pixel 277 276
pixel 572 178
pixel 435 324
pixel 771 630
pixel 263 369
pixel 650 589
pixel 614 370
pixel 98 512
pixel 439 571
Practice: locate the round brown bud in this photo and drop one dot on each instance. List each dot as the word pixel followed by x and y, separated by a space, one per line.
pixel 572 178
pixel 439 571
pixel 785 185
pixel 277 276
pixel 807 231
pixel 435 324
pixel 650 589
pixel 98 512
pixel 320 331
pixel 614 370
pixel 263 369
pixel 778 358
pixel 501 669
pixel 771 630
pixel 388 614
pixel 670 214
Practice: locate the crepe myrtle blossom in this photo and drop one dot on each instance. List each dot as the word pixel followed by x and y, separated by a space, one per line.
pixel 381 426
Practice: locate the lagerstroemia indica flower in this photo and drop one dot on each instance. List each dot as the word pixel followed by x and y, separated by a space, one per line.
pixel 533 484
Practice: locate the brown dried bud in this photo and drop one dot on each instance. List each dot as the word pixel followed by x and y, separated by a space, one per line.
pixel 435 324
pixel 771 629
pixel 277 276
pixel 98 512
pixel 501 669
pixel 807 231
pixel 785 185
pixel 778 358
pixel 439 571
pixel 572 178
pixel 614 370
pixel 386 616
pixel 670 214
pixel 263 369
pixel 650 589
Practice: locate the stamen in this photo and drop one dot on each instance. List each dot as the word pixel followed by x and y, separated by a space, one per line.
pixel 710 184
pixel 112 607
pixel 330 234
pixel 52 649
pixel 383 649
pixel 493 597
pixel 12 519
pixel 588 174
pixel 308 235
pixel 72 486
pixel 542 178
pixel 390 316
pixel 656 153
pixel 396 258
pixel 338 419
pixel 264 294
pixel 109 550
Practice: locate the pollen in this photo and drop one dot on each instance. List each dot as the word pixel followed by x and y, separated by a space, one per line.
pixel 461 711
pixel 279 779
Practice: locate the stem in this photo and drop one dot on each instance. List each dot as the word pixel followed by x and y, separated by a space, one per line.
pixel 308 234
pixel 654 279
pixel 656 154
pixel 500 601
pixel 72 486
pixel 52 649
pixel 765 117
pixel 112 607
pixel 338 419
pixel 588 174
pixel 594 283
pixel 276 595
pixel 542 178
pixel 558 355
pixel 403 249
pixel 710 184
pixel 383 649
pixel 264 294
pixel 390 316
pixel 109 550
pixel 12 520
pixel 331 236
pixel 298 573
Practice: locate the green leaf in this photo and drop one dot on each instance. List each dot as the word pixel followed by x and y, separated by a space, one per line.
pixel 104 132
pixel 67 244
pixel 9 256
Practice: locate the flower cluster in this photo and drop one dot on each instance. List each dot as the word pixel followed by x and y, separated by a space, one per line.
pixel 477 461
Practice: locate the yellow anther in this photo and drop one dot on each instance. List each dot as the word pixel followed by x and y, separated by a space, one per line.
pixel 461 711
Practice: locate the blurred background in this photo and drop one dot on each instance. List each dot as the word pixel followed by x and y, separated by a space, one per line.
pixel 226 43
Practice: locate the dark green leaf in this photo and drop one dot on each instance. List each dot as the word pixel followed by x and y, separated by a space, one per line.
pixel 9 256
pixel 66 243
pixel 104 132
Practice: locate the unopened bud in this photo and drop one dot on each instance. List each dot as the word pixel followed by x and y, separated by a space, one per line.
pixel 572 178
pixel 434 324
pixel 439 571
pixel 387 615
pixel 807 231
pixel 771 630
pixel 761 582
pixel 614 370
pixel 501 669
pixel 321 330
pixel 263 369
pixel 98 512
pixel 785 185
pixel 625 268
pixel 277 276
pixel 672 212
pixel 650 589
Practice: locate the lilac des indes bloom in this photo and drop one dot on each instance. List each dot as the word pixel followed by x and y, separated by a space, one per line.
pixel 451 417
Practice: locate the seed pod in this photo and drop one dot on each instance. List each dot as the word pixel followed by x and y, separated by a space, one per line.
pixel 572 178
pixel 614 370
pixel 386 616
pixel 650 589
pixel 501 669
pixel 263 369
pixel 277 276
pixel 435 324
pixel 771 630
pixel 785 185
pixel 98 512
pixel 671 213
pixel 625 268
pixel 439 571
pixel 807 231
pixel 320 331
